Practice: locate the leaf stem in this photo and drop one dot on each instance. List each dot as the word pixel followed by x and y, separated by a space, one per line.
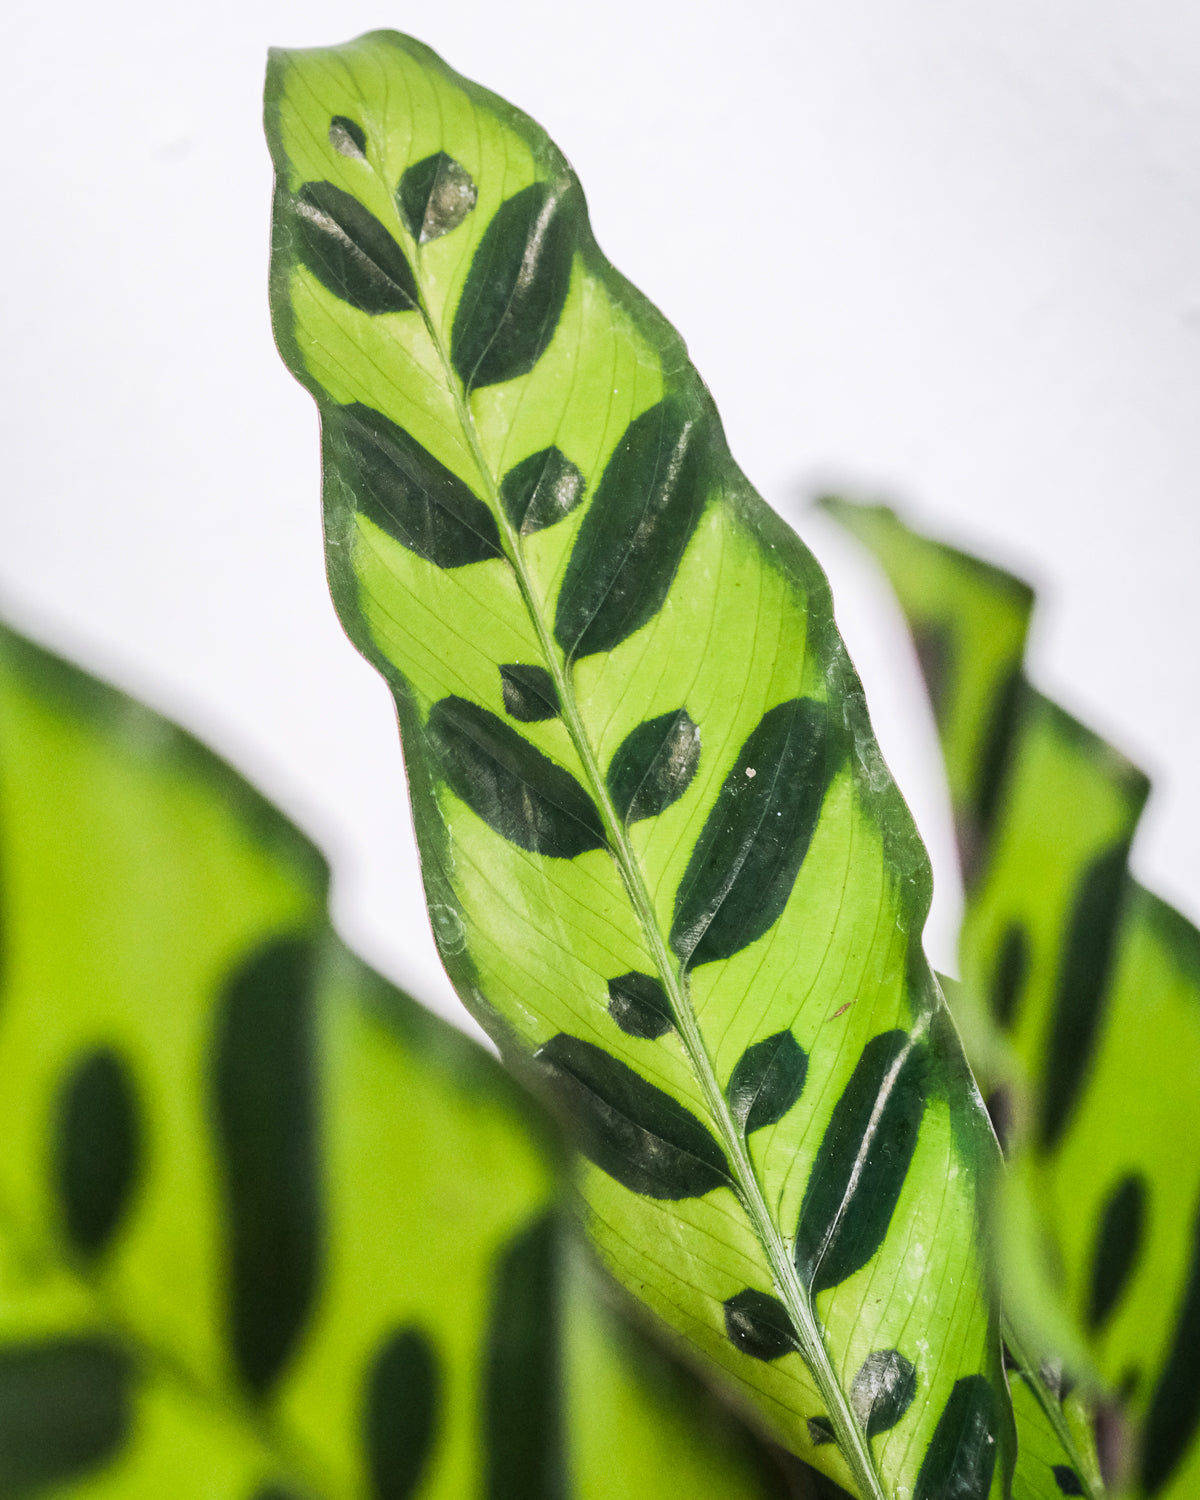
pixel 852 1441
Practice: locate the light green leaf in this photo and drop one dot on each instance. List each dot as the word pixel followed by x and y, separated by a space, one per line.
pixel 267 1229
pixel 688 848
pixel 1080 1000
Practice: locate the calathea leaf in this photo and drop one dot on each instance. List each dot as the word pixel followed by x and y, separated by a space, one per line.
pixel 207 1288
pixel 693 895
pixel 1079 999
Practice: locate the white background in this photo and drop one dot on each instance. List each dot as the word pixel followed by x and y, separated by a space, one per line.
pixel 943 253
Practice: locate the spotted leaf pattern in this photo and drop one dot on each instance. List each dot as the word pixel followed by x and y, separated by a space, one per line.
pixel 1080 1005
pixel 267 1229
pixel 697 853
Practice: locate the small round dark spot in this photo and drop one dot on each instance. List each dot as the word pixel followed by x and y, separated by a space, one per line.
pixel 1067 1480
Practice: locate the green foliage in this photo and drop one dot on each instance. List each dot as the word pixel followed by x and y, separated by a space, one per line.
pixel 1080 1002
pixel 267 1229
pixel 665 864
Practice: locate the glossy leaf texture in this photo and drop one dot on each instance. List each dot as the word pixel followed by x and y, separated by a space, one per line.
pixel 268 1229
pixel 1080 999
pixel 666 865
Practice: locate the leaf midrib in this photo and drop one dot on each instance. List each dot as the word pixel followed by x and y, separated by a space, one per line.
pixel 852 1441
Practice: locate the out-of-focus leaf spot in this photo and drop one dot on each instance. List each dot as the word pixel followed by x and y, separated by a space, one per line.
pixel 400 1414
pixel 1174 1413
pixel 1118 1242
pixel 265 1108
pixel 65 1409
pixel 1010 974
pixel 97 1152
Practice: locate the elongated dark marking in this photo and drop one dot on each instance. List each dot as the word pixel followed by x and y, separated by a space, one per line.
pixel 820 1431
pixel 767 1081
pixel 265 1116
pixel 348 137
pixel 1118 1243
pixel 351 253
pixel 632 1130
pixel 97 1149
pixel 400 1413
pixel 1010 974
pixel 862 1162
pixel 435 195
pixel 759 1325
pixel 959 1462
pixel 882 1390
pixel 754 840
pixel 512 786
pixel 406 492
pixel 529 692
pixel 523 1416
pixel 934 644
pixel 636 529
pixel 654 765
pixel 1082 985
pixel 516 287
pixel 639 1005
pixel 65 1409
pixel 1174 1414
pixel 541 490
pixel 1069 1483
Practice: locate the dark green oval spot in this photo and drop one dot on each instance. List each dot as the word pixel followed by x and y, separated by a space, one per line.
pixel 862 1162
pixel 264 1097
pixel 883 1390
pixel 435 195
pixel 632 1130
pixel 517 791
pixel 351 253
pixel 759 1325
pixel 516 287
pixel 1081 990
pixel 767 1081
pixel 524 1435
pixel 65 1409
pixel 637 527
pixel 1118 1241
pixel 348 137
pixel 1174 1413
pixel 754 840
pixel 1010 975
pixel 639 1005
pixel 400 1413
pixel 958 1463
pixel 654 765
pixel 529 692
pixel 406 492
pixel 1069 1483
pixel 97 1149
pixel 541 490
